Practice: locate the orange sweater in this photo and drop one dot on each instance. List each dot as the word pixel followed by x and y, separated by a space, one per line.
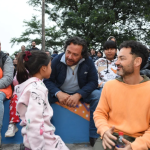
pixel 8 90
pixel 127 107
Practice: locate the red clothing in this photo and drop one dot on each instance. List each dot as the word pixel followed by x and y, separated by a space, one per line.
pixel 13 117
pixel 8 90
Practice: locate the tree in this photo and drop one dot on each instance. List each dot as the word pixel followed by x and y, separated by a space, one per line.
pixel 93 20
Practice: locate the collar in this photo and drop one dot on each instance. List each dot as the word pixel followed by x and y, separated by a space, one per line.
pixel 145 78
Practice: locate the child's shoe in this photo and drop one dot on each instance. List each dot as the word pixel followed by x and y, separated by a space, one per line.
pixel 12 129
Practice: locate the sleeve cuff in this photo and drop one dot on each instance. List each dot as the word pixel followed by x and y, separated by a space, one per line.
pixel 56 94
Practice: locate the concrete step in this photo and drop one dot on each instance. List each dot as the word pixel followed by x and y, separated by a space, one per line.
pixel 83 146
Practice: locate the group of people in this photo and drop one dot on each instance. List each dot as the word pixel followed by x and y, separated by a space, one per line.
pixel 118 95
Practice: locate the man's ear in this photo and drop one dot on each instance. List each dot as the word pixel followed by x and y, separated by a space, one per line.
pixel 138 61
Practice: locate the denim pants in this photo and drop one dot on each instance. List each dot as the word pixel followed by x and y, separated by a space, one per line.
pixel 93 100
pixel 2 98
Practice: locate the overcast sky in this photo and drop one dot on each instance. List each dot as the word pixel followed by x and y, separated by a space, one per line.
pixel 12 14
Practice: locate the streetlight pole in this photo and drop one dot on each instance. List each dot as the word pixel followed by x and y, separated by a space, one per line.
pixel 43 25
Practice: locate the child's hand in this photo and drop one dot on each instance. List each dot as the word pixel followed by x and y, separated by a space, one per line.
pixel 62 97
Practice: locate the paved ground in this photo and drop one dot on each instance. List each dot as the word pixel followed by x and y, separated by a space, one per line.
pixel 84 146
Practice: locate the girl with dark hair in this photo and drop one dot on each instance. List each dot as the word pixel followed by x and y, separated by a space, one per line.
pixel 99 54
pixel 33 107
pixel 106 67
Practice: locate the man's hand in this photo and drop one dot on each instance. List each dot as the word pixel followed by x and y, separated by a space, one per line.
pixel 62 97
pixel 73 100
pixel 107 142
pixel 127 145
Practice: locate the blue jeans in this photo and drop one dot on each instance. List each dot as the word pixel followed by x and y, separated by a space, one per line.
pixel 2 98
pixel 93 100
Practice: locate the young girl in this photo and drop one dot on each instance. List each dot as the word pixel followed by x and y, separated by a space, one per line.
pixel 33 107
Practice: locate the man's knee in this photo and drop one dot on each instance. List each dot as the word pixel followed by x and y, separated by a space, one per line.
pixel 93 98
pixel 95 94
pixel 2 96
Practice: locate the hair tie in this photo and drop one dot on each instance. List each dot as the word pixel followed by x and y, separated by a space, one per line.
pixel 26 57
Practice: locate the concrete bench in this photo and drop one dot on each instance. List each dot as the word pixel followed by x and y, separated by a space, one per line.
pixel 69 126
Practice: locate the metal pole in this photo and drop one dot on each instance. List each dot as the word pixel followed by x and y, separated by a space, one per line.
pixel 43 25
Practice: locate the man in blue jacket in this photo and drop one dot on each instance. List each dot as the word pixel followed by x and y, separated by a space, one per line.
pixel 74 77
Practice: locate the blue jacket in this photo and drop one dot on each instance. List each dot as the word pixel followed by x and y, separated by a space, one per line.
pixel 87 76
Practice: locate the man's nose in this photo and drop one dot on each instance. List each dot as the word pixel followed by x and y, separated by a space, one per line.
pixel 70 56
pixel 117 62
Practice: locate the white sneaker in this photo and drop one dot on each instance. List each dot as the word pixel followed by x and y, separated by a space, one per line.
pixel 12 129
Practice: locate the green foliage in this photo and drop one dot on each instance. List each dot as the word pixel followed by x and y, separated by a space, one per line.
pixel 93 20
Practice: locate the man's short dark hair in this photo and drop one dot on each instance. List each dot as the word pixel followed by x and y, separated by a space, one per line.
pixel 78 41
pixel 137 49
pixel 110 44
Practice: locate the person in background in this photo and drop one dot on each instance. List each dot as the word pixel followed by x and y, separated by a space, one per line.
pixel 15 65
pixel 48 53
pixel 124 105
pixel 13 117
pixel 23 48
pixel 112 38
pixel 93 55
pixel 105 66
pixel 6 78
pixel 55 53
pixel 99 54
pixel 33 46
pixel 16 55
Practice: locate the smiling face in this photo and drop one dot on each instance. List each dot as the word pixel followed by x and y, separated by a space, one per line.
pixel 73 54
pixel 125 62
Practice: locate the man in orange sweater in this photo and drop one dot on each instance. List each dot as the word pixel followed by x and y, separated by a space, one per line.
pixel 125 103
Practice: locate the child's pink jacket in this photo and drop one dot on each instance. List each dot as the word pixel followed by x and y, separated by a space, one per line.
pixel 35 112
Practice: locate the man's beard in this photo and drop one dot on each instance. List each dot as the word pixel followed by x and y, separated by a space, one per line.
pixel 125 71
